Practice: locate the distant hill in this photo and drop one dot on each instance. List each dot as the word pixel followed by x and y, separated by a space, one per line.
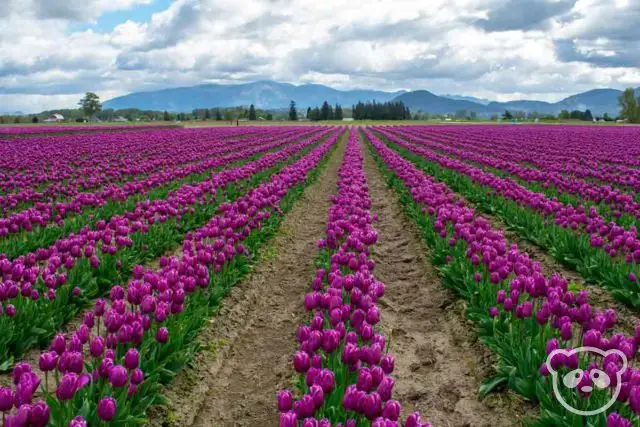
pixel 276 96
pixel 599 101
pixel 468 98
pixel 263 94
pixel 434 104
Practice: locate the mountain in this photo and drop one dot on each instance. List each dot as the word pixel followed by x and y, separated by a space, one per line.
pixel 434 104
pixel 468 98
pixel 599 101
pixel 263 94
pixel 276 96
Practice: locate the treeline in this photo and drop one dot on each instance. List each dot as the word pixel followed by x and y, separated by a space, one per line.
pixel 577 115
pixel 325 112
pixel 136 115
pixel 381 111
pixel 629 106
pixel 231 113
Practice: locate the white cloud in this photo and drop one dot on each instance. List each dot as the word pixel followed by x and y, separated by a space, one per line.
pixel 542 49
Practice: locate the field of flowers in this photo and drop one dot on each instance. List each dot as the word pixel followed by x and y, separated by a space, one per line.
pixel 133 261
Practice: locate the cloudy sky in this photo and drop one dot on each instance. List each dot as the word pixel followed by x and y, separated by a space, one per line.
pixel 54 50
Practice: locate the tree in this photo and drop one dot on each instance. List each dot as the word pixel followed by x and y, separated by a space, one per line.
pixel 166 116
pixel 324 111
pixel 629 108
pixel 606 117
pixel 228 115
pixel 507 115
pixel 207 114
pixel 293 114
pixel 269 116
pixel 252 113
pixel 34 119
pixel 564 115
pixel 576 115
pixel 338 112
pixel 90 104
pixel 587 116
pixel 308 113
pixel 218 115
pixel 461 114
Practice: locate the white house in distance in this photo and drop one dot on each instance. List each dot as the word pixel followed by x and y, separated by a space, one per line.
pixel 54 118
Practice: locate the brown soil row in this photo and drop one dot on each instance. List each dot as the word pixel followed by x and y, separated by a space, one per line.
pixel 439 362
pixel 248 345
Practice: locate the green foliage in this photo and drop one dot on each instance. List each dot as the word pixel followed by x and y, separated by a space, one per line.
pixel 381 111
pixel 564 115
pixel 90 104
pixel 507 115
pixel 252 113
pixel 629 106
pixel 293 113
pixel 338 115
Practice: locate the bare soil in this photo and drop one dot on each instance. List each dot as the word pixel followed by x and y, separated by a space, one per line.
pixel 249 343
pixel 439 362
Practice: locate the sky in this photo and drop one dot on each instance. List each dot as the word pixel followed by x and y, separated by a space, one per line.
pixel 52 51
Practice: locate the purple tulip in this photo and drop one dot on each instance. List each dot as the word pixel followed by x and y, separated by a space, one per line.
pixel 288 419
pixel 285 400
pixel 107 408
pixel 118 376
pixel 372 406
pixel 96 348
pixel 39 416
pixel 391 410
pixel 385 388
pixel 162 336
pixel 6 399
pixel 615 420
pixel 132 359
pixel 137 376
pixel 78 422
pixel 317 395
pixel 67 387
pixel 301 362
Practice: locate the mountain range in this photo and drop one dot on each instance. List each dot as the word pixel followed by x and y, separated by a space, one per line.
pixel 276 96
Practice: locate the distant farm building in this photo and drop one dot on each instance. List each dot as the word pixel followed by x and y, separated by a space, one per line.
pixel 56 117
pixel 120 119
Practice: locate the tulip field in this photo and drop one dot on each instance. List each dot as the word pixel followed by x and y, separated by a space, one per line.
pixel 243 276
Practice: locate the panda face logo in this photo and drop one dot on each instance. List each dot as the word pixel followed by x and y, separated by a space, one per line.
pixel 586 381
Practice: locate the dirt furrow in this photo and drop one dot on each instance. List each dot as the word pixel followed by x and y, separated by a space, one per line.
pixel 439 363
pixel 248 345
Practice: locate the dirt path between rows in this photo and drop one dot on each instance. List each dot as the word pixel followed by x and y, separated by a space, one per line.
pixel 439 363
pixel 250 342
